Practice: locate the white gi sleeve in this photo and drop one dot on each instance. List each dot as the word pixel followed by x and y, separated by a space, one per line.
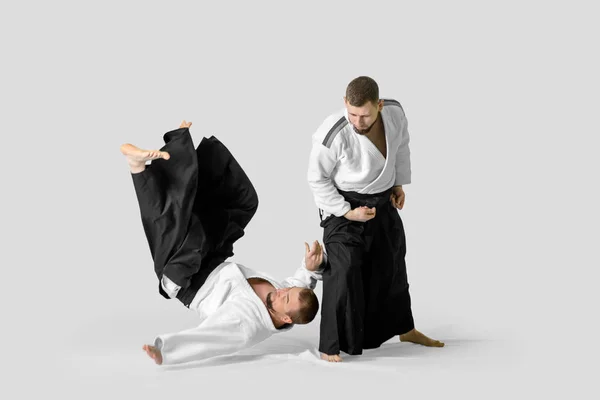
pixel 321 163
pixel 225 332
pixel 403 172
pixel 305 278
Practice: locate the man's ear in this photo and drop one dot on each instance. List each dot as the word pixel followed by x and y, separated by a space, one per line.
pixel 380 105
pixel 286 319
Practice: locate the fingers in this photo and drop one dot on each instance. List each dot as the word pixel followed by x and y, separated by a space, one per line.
pixel 371 213
pixel 365 213
pixel 314 250
pixel 398 201
pixel 320 253
pixel 318 250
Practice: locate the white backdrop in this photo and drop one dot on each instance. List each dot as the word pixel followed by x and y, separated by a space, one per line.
pixel 501 218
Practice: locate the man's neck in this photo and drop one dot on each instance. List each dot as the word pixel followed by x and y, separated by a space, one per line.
pixel 377 129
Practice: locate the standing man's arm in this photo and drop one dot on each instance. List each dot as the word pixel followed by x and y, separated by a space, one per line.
pixel 403 172
pixel 321 163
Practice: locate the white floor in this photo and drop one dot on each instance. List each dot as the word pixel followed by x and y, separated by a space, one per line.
pixel 103 359
pixel 288 365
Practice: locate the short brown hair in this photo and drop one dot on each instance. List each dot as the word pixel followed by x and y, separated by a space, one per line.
pixel 361 90
pixel 309 305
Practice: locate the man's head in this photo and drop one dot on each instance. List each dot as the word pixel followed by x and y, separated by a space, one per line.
pixel 293 305
pixel 363 104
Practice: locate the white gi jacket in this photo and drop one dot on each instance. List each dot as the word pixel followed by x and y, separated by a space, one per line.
pixel 232 316
pixel 342 159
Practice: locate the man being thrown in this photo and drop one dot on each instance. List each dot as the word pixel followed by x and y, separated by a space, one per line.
pixel 194 204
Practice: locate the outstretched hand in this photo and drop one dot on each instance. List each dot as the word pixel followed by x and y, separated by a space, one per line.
pixel 185 124
pixel 313 258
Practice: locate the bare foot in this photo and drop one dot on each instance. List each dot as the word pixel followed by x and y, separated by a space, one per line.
pixel 185 124
pixel 417 337
pixel 331 358
pixel 137 157
pixel 154 353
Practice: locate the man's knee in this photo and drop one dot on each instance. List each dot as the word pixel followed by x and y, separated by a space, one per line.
pixel 344 260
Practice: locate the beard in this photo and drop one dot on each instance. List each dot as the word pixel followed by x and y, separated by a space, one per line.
pixel 270 302
pixel 366 130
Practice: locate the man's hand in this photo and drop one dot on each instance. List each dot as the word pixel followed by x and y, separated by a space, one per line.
pixel 185 124
pixel 313 258
pixel 360 214
pixel 397 197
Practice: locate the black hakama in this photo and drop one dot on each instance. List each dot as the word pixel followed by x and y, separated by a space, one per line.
pixel 365 287
pixel 194 206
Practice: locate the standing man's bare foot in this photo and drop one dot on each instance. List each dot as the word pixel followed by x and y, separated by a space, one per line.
pixel 331 358
pixel 154 353
pixel 136 157
pixel 417 337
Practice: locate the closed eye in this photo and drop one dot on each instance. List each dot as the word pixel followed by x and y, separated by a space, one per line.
pixel 288 298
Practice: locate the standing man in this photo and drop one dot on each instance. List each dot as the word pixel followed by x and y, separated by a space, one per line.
pixel 359 162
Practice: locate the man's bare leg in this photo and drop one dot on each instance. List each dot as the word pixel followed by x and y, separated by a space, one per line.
pixel 414 336
pixel 153 353
pixel 331 358
pixel 136 157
